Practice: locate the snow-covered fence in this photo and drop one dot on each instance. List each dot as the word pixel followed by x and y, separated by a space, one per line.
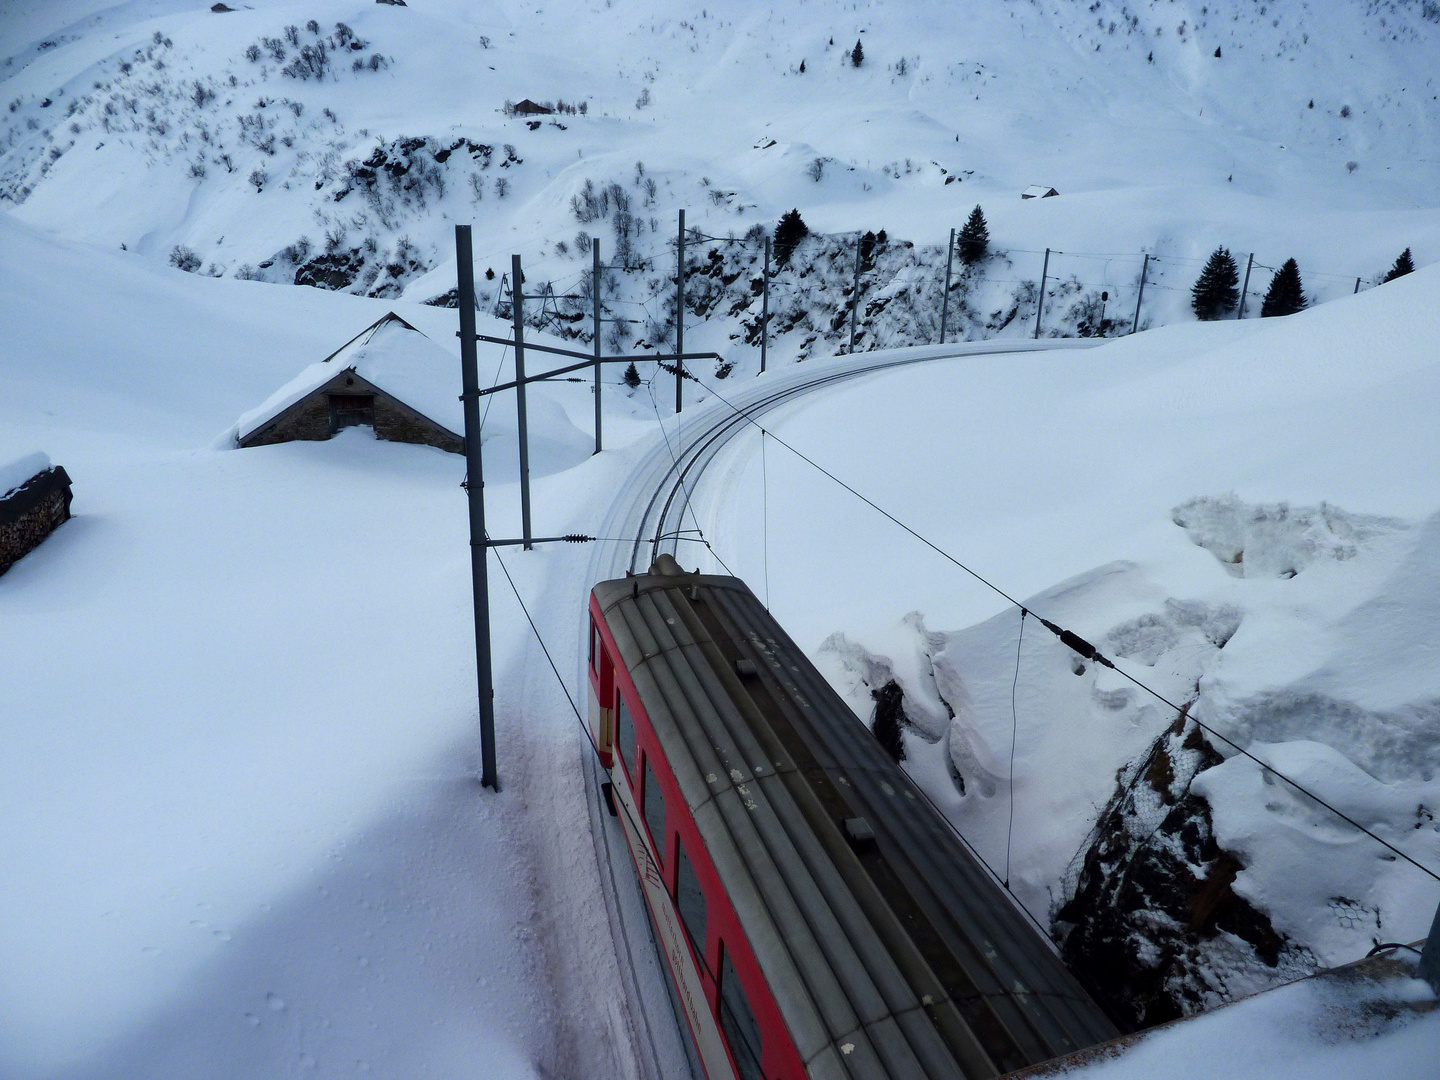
pixel 827 294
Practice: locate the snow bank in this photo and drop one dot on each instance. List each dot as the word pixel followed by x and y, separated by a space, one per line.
pixel 1275 540
pixel 1339 1027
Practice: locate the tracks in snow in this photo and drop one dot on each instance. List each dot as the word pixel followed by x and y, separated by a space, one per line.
pixel 650 508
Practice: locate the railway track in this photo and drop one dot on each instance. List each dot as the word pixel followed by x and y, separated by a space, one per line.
pixel 649 509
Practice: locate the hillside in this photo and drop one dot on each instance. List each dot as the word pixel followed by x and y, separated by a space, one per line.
pixel 239 829
pixel 275 144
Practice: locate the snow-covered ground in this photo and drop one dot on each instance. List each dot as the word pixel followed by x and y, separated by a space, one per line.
pixel 239 831
pixel 1061 477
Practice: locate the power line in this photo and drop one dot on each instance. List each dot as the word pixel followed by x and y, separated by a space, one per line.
pixel 1014 731
pixel 585 729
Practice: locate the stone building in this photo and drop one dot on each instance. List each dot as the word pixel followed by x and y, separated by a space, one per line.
pixel 34 502
pixel 389 377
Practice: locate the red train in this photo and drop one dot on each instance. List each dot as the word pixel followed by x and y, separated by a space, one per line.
pixel 818 917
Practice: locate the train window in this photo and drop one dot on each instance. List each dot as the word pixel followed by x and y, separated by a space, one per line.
pixel 691 902
pixel 654 804
pixel 625 732
pixel 737 1022
pixel 594 648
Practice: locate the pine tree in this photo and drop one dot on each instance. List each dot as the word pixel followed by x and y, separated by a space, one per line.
pixel 1285 296
pixel 788 233
pixel 1403 265
pixel 974 238
pixel 857 54
pixel 631 378
pixel 1216 290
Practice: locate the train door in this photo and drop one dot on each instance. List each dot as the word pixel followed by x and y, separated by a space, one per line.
pixel 602 696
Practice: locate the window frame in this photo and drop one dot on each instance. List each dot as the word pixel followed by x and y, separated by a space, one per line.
pixel 683 860
pixel 727 974
pixel 627 762
pixel 651 780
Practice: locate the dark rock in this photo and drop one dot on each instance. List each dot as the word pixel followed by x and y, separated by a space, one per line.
pixel 335 271
pixel 1154 927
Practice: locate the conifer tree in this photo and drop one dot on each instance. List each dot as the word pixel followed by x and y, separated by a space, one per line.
pixel 1285 296
pixel 857 54
pixel 788 233
pixel 631 378
pixel 1216 290
pixel 974 238
pixel 1403 265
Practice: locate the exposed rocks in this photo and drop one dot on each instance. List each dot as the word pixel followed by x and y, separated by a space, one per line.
pixel 1153 925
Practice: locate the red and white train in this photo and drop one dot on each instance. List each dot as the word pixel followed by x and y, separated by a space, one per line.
pixel 818 917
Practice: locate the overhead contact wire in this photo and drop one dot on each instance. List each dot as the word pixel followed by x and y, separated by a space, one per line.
pixel 573 707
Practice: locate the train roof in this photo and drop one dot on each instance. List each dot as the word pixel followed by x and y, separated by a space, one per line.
pixel 889 949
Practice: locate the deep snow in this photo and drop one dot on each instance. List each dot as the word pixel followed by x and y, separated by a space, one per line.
pixel 240 829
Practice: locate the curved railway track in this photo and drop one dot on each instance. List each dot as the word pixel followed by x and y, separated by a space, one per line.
pixel 650 509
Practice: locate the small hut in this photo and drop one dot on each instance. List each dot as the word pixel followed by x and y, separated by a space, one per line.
pixel 527 107
pixel 389 377
pixel 1038 191
pixel 34 502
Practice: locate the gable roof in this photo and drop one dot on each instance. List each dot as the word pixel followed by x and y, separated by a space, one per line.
pixel 1038 191
pixel 394 357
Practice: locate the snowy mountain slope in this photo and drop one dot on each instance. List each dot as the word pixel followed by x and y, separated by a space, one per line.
pixel 240 827
pixel 350 178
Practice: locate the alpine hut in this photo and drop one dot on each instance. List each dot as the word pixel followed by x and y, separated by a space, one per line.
pixel 389 377
pixel 1039 191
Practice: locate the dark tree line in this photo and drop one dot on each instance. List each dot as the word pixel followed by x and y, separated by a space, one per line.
pixel 1216 293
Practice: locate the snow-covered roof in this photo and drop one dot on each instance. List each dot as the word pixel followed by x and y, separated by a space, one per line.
pixel 15 471
pixel 1038 191
pixel 393 356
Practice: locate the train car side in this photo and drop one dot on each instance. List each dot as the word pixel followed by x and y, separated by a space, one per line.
pixel 819 917
pixel 709 960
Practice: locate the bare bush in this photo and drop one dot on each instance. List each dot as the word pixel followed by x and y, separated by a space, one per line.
pixel 182 258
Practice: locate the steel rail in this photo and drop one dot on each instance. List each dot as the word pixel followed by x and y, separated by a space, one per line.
pixel 702 447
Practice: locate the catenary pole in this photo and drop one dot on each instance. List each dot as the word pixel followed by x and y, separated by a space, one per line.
pixel 475 491
pixel 595 296
pixel 517 302
pixel 1144 267
pixel 1040 302
pixel 1245 289
pixel 945 299
pixel 1357 286
pixel 679 311
pixel 765 304
pixel 855 296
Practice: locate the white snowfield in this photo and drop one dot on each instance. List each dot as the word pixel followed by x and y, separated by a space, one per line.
pixel 240 833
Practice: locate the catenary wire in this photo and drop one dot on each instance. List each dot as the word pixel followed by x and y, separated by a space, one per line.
pixel 584 728
pixel 1014 731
